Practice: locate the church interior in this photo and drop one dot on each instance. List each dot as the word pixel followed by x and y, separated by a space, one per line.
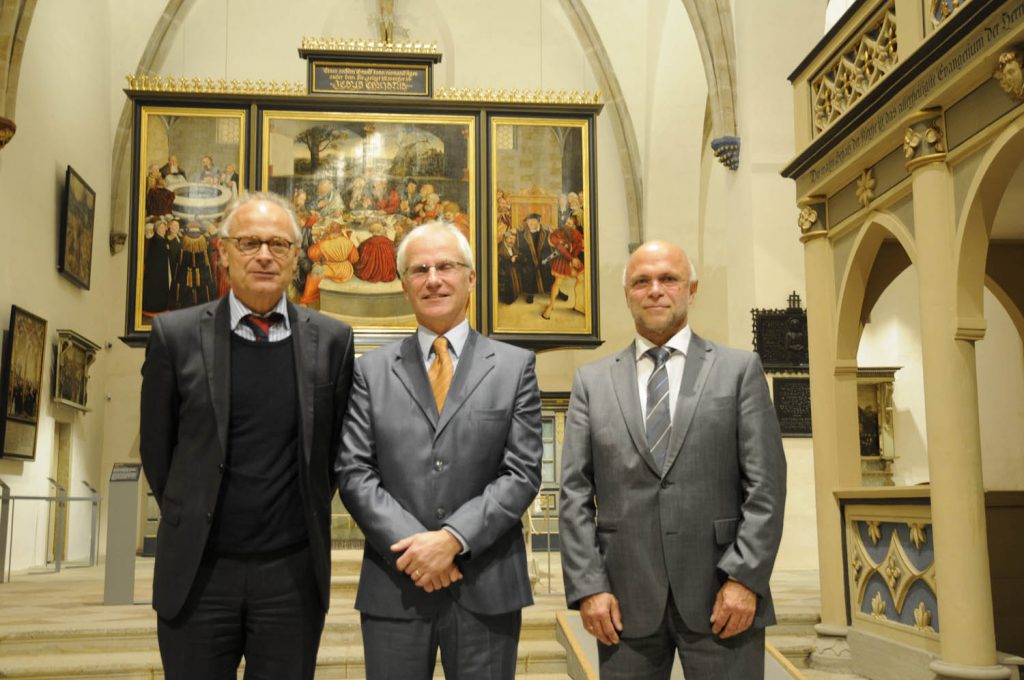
pixel 846 175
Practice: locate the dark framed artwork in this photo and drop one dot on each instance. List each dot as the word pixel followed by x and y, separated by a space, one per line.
pixel 78 213
pixel 542 240
pixel 21 377
pixel 359 183
pixel 73 355
pixel 189 163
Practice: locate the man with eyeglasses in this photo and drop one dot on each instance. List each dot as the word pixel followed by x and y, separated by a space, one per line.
pixel 241 410
pixel 439 459
pixel 673 491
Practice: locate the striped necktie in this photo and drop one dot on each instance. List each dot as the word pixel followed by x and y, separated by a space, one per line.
pixel 440 372
pixel 260 325
pixel 659 419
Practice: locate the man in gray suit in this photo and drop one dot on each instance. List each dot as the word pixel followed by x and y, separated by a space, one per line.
pixel 440 456
pixel 673 489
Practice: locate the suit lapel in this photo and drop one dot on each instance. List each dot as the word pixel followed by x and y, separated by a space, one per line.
pixel 626 391
pixel 699 358
pixel 476 361
pixel 215 341
pixel 408 368
pixel 305 337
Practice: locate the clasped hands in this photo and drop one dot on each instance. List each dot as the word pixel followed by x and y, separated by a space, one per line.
pixel 428 558
pixel 733 612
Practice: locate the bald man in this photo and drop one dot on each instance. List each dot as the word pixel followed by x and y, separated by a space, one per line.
pixel 676 441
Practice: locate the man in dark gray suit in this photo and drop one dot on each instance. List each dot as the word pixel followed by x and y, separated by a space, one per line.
pixel 440 457
pixel 242 402
pixel 673 490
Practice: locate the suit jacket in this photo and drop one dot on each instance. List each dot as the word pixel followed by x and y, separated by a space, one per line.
pixel 186 401
pixel 714 511
pixel 403 468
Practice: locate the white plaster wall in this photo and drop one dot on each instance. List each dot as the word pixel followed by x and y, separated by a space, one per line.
pixel 893 338
pixel 746 247
pixel 1000 361
pixel 63 114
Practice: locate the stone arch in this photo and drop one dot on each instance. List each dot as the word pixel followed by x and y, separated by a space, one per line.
pixel 981 202
pixel 15 19
pixel 862 281
pixel 615 105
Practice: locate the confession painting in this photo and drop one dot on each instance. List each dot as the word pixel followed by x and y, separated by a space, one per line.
pixel 190 165
pixel 541 229
pixel 360 183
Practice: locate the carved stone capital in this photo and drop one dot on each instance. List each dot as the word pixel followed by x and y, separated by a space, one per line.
pixel 812 218
pixel 924 140
pixel 117 241
pixel 7 130
pixel 1009 73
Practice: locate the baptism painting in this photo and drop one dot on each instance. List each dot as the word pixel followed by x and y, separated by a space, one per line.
pixel 541 227
pixel 359 184
pixel 191 165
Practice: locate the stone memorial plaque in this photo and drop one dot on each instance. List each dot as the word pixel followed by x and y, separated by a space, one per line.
pixel 780 337
pixel 792 397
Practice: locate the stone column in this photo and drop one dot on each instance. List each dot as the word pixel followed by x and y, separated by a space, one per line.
pixel 966 628
pixel 834 465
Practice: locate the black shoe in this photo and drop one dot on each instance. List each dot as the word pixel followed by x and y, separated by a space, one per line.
pixel 529 299
pixel 562 296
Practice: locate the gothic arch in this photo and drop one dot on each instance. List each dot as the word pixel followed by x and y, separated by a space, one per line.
pixel 15 19
pixel 857 275
pixel 981 203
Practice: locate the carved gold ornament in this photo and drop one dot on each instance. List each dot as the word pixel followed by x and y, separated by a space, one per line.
pixel 922 618
pixel 146 83
pixel 481 94
pixel 808 218
pixel 917 535
pixel 878 606
pixel 356 45
pixel 860 65
pixel 911 140
pixel 865 193
pixel 892 573
pixel 1009 73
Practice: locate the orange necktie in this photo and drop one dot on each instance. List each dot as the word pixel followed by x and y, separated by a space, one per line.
pixel 440 372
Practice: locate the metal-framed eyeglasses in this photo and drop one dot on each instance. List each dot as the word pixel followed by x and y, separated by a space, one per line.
pixel 250 245
pixel 445 268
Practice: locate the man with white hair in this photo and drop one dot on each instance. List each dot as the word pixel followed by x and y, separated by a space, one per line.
pixel 440 457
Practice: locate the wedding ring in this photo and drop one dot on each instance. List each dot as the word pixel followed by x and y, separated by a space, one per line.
pixel 416 573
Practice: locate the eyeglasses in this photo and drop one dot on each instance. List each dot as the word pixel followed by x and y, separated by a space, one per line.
pixel 443 268
pixel 250 245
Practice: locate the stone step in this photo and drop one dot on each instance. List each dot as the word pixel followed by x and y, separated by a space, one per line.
pixel 794 623
pixel 340 628
pixel 815 674
pixel 796 648
pixel 538 660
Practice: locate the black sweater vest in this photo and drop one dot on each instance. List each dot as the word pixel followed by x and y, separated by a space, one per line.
pixel 260 504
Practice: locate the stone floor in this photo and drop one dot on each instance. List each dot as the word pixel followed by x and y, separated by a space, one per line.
pixel 68 605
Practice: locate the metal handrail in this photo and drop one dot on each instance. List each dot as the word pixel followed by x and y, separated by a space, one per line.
pixel 62 499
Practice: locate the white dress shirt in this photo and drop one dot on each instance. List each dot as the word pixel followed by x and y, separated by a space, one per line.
pixel 680 342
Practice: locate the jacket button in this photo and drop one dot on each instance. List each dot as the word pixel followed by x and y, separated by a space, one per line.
pixel 209 517
pixel 221 468
pixel 438 464
pixel 440 513
pixel 665 484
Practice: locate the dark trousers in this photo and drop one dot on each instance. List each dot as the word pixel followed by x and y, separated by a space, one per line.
pixel 264 608
pixel 704 657
pixel 473 646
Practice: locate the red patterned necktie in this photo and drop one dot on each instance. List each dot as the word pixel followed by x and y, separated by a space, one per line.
pixel 260 325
